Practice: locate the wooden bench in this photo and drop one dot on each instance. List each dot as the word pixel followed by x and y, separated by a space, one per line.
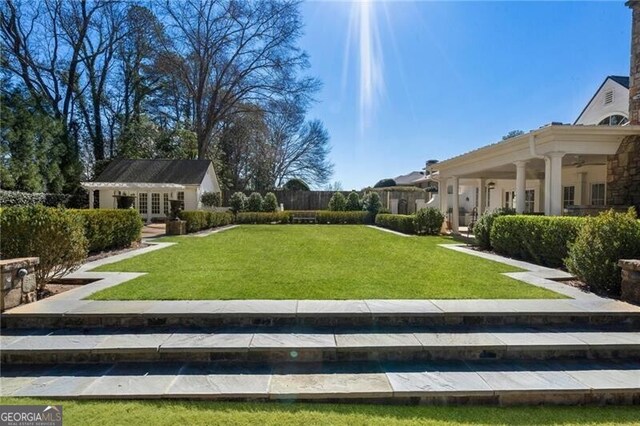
pixel 311 218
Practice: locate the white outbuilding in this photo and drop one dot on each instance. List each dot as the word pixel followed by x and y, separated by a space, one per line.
pixel 153 183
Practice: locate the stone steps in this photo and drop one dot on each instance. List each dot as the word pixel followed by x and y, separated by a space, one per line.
pixel 64 313
pixel 453 382
pixel 304 345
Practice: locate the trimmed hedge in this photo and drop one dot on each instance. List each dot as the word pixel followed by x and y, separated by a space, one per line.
pixel 342 217
pixel 55 235
pixel 108 229
pixel 482 228
pixel 262 217
pixel 197 220
pixel 543 240
pixel 322 217
pixel 398 222
pixel 24 199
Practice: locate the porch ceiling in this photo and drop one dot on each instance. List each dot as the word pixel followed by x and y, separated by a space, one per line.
pixel 590 143
pixel 535 167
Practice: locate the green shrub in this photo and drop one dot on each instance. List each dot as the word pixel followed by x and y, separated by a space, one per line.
pixel 270 202
pixel 397 222
pixel 54 235
pixel 254 203
pixel 539 239
pixel 428 221
pixel 238 202
pixel 353 202
pixel 371 203
pixel 108 229
pixel 211 199
pixel 24 199
pixel 337 203
pixel 197 220
pixel 339 217
pixel 482 228
pixel 601 242
pixel 262 217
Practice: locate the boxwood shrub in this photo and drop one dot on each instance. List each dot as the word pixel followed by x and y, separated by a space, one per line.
pixel 108 229
pixel 543 240
pixel 262 217
pixel 24 199
pixel 482 228
pixel 342 217
pixel 398 222
pixel 429 221
pixel 55 235
pixel 602 241
pixel 197 220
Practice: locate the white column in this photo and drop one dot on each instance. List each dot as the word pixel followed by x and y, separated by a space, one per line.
pixel 521 186
pixel 547 186
pixel 90 198
pixel 555 189
pixel 580 189
pixel 455 220
pixel 442 193
pixel 482 193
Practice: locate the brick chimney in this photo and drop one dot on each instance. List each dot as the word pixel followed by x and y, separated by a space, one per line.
pixel 634 71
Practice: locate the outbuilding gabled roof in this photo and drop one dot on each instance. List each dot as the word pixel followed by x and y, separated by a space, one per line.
pixel 185 172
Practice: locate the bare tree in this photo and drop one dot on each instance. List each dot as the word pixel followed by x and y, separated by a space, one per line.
pixel 235 52
pixel 299 148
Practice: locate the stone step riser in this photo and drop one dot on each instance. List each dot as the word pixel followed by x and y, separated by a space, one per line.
pixel 94 321
pixel 564 398
pixel 277 356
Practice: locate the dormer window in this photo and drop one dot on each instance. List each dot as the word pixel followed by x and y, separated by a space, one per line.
pixel 614 120
pixel 608 97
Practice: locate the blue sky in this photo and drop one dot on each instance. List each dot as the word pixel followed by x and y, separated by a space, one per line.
pixel 442 78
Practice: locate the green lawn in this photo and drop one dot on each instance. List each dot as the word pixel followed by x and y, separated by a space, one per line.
pixel 314 262
pixel 228 413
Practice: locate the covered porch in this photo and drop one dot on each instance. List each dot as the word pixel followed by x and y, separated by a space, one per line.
pixel 547 171
pixel 150 199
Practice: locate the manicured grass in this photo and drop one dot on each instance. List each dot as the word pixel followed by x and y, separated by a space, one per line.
pixel 226 413
pixel 314 262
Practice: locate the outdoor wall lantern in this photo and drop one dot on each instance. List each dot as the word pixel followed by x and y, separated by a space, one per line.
pixel 491 185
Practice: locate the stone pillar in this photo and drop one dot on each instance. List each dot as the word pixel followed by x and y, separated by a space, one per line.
pixel 18 281
pixel 521 186
pixel 634 71
pixel 482 195
pixel 623 168
pixel 455 217
pixel 630 287
pixel 547 186
pixel 555 184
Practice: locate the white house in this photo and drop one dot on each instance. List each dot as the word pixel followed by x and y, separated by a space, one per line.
pixel 153 183
pixel 545 170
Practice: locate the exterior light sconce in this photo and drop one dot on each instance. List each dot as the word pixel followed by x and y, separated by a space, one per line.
pixel 491 185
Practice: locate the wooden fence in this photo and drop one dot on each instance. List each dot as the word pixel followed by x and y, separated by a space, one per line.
pixel 319 200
